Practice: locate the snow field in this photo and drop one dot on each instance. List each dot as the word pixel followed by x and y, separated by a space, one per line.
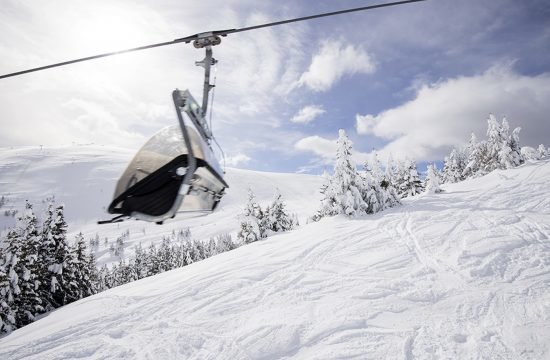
pixel 83 178
pixel 459 275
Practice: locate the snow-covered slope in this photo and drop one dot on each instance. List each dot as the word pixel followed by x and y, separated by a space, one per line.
pixel 83 178
pixel 80 176
pixel 458 275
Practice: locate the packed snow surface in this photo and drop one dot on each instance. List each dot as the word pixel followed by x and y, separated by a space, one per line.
pixel 464 274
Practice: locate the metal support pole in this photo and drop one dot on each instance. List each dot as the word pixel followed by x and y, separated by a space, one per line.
pixel 208 62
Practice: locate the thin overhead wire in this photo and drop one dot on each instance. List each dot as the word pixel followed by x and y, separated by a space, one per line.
pixel 188 39
pixel 364 8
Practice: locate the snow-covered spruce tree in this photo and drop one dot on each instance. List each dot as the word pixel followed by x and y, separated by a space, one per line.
pixel 346 181
pixel 252 221
pixel 178 256
pixel 103 279
pixel 79 279
pixel 54 254
pixel 542 152
pixel 432 180
pixel 509 151
pixel 328 200
pixel 197 250
pixel 503 149
pixel 371 190
pixel 390 173
pixel 277 218
pixel 386 190
pixel 23 267
pixel 153 265
pixel 140 262
pixel 513 155
pixel 93 273
pixel 453 169
pixel 408 180
pixel 480 161
pixel 496 139
pixel 343 193
pixel 473 157
pixel 45 258
pixel 389 183
pixel 225 243
pixel 10 264
pixel 7 314
pixel 165 254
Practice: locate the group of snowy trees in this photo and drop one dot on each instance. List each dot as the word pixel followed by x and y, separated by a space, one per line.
pixel 352 193
pixel 258 223
pixel 175 251
pixel 501 150
pixel 39 270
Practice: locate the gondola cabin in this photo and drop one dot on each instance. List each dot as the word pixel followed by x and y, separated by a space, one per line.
pixel 175 171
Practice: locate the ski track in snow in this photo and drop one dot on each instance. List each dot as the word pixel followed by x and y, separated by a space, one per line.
pixel 460 275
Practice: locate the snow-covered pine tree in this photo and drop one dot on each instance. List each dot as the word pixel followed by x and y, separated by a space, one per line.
pixel 10 266
pixel 225 243
pixel 54 254
pixel 387 192
pixel 153 265
pixel 252 221
pixel 391 189
pixel 409 183
pixel 390 172
pixel 502 148
pixel 432 180
pixel 93 273
pixel 104 278
pixel 328 201
pixel 211 247
pixel 542 152
pixel 78 266
pixel 23 267
pixel 496 139
pixel 454 166
pixel 7 314
pixel 188 259
pixel 371 189
pixel 124 273
pixel 344 190
pixel 473 156
pixel 140 262
pixel 198 251
pixel 45 257
pixel 514 157
pixel 277 218
pixel 165 254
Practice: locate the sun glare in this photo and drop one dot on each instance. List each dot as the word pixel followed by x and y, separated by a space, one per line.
pixel 108 30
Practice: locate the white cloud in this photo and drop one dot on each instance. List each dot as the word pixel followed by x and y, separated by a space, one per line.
pixel 237 160
pixel 444 114
pixel 325 150
pixel 334 61
pixel 308 114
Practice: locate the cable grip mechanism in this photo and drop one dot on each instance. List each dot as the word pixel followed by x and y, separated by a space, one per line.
pixel 207 39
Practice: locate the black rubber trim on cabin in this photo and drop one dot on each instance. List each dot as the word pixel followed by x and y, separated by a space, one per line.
pixel 155 194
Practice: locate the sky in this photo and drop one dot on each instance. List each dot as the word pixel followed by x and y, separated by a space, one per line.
pixel 411 81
